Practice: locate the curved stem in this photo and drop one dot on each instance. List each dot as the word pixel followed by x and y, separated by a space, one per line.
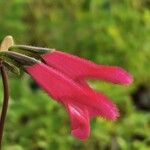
pixel 5 101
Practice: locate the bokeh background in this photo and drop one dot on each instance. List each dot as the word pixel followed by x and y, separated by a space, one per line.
pixel 113 32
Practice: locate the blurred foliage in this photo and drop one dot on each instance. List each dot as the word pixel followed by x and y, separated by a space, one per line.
pixel 113 32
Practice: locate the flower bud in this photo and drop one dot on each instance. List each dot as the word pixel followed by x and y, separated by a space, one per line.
pixel 6 43
pixel 17 59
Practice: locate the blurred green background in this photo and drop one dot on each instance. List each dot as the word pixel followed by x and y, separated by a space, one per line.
pixel 113 32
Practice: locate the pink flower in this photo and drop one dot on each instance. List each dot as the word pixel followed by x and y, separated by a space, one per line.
pixel 63 77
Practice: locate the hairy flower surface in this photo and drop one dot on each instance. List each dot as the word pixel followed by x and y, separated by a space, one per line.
pixel 63 76
pixel 79 68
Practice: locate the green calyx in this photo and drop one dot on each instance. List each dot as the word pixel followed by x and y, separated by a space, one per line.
pixel 14 59
pixel 11 67
pixel 30 50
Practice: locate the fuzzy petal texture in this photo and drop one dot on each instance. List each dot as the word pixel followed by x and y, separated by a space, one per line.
pixel 77 67
pixel 65 90
pixel 54 83
pixel 107 109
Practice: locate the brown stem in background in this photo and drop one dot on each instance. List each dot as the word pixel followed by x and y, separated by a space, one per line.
pixel 5 101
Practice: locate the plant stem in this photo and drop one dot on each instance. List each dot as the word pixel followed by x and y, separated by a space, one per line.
pixel 5 101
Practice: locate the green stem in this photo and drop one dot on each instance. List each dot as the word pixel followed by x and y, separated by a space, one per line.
pixel 5 101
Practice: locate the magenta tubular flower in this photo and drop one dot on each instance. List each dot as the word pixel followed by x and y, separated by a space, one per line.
pixel 63 77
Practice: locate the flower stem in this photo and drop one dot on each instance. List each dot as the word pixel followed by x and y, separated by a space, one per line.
pixel 5 101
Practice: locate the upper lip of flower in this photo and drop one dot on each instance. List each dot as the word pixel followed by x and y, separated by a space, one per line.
pixel 76 67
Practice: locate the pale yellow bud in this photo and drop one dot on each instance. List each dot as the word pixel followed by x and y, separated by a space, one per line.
pixel 6 43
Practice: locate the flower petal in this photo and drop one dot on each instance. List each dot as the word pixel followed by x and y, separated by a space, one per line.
pixel 106 108
pixel 77 67
pixel 79 118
